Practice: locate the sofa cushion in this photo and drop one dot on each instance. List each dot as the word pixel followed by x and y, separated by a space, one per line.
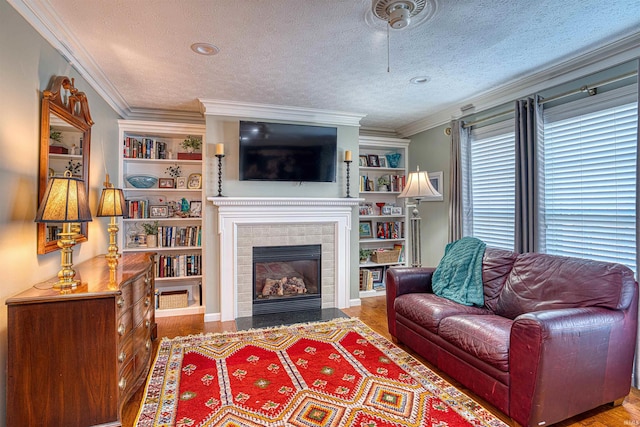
pixel 427 310
pixel 542 282
pixel 485 337
pixel 496 266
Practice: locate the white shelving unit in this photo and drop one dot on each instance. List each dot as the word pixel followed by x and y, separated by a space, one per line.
pixel 371 190
pixel 179 253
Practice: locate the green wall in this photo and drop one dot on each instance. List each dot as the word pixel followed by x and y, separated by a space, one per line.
pixel 225 130
pixel 27 63
pixel 430 150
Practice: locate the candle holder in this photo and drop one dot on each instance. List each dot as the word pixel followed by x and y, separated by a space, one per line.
pixel 348 162
pixel 219 156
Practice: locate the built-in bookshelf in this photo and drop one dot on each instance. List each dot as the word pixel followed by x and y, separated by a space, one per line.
pixel 172 204
pixel 382 165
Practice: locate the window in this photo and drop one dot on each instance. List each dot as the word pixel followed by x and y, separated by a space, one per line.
pixel 489 181
pixel 590 149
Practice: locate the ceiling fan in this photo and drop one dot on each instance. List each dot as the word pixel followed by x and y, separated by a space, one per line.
pixel 398 13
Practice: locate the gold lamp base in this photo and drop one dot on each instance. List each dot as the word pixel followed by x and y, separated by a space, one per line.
pixel 67 273
pixel 112 251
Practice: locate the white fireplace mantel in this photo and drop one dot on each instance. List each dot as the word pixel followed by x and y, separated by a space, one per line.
pixel 235 211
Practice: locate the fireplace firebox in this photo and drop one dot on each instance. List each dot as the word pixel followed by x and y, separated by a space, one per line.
pixel 286 278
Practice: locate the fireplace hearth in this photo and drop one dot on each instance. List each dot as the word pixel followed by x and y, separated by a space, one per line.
pixel 286 278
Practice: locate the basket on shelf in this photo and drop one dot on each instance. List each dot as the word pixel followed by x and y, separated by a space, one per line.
pixel 173 299
pixel 385 256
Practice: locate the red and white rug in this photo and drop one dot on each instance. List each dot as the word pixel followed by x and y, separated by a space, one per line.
pixel 337 373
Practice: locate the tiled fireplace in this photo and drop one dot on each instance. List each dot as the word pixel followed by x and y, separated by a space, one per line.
pixel 245 223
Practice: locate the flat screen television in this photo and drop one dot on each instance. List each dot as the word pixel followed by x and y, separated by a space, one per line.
pixel 287 152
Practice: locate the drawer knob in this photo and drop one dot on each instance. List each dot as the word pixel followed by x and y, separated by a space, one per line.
pixel 122 383
pixel 146 280
pixel 122 356
pixel 147 323
pixel 147 301
pixel 120 302
pixel 147 346
pixel 121 329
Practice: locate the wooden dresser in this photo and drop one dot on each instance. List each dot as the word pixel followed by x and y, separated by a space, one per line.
pixel 75 358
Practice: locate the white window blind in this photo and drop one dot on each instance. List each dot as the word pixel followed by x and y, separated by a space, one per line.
pixel 491 184
pixel 590 149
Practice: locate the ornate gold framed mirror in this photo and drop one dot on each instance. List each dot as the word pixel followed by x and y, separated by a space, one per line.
pixel 65 142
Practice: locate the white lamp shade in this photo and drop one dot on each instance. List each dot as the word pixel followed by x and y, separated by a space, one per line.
pixel 418 186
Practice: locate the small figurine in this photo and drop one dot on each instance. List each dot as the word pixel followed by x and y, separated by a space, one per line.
pixel 185 205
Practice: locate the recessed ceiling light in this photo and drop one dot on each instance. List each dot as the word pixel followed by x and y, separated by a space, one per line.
pixel 205 48
pixel 420 80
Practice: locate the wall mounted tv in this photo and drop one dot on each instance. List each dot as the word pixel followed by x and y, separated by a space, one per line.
pixel 287 152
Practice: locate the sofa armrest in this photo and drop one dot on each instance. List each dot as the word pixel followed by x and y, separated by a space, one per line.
pixel 401 281
pixel 566 361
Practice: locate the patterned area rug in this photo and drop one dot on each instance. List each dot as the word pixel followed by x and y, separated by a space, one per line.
pixel 336 373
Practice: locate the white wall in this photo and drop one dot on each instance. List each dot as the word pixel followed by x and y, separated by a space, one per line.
pixel 28 63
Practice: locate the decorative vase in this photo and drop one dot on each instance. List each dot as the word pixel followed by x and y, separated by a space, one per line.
pixel 189 149
pixel 152 240
pixel 393 159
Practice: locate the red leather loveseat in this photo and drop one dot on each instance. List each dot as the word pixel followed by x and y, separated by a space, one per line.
pixel 555 337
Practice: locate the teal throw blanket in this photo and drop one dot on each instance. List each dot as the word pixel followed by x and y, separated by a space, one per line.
pixel 459 274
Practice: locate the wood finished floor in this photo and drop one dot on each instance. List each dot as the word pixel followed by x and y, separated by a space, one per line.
pixel 373 313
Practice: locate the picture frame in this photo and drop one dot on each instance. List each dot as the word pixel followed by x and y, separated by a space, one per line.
pixel 382 161
pixel 195 208
pixel 373 160
pixel 377 274
pixel 195 181
pixel 396 210
pixel 386 210
pixel 166 183
pixel 181 182
pixel 158 211
pixel 362 161
pixel 365 229
pixel 437 183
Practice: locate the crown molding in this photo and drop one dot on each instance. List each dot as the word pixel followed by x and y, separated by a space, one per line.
pixel 165 115
pixel 162 127
pixel 44 19
pixel 246 110
pixel 620 51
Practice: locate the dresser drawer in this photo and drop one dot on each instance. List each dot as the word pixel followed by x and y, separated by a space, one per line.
pixel 141 309
pixel 126 378
pixel 124 325
pixel 141 287
pixel 124 301
pixel 125 352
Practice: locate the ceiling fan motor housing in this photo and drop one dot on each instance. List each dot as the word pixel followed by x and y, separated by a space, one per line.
pixel 397 13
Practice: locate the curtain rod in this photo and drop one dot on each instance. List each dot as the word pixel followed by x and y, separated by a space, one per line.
pixel 494 116
pixel 587 88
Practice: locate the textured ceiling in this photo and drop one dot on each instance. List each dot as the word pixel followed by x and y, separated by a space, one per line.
pixel 329 54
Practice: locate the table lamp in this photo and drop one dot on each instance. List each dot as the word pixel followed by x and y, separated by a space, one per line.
pixel 65 201
pixel 418 188
pixel 111 204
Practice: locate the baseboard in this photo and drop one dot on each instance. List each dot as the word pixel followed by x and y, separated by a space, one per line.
pixel 212 317
pixel 355 302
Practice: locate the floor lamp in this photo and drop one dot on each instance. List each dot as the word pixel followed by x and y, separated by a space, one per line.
pixel 418 188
